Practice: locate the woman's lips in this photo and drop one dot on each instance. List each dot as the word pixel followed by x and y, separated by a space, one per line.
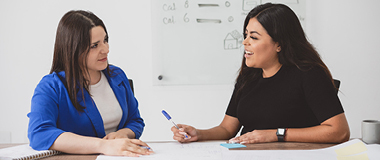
pixel 103 60
pixel 248 54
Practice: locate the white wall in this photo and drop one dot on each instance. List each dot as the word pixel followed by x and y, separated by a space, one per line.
pixel 344 32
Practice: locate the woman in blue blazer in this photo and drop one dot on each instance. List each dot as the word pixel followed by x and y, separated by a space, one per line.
pixel 85 105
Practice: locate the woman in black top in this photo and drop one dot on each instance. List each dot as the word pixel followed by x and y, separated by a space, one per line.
pixel 284 92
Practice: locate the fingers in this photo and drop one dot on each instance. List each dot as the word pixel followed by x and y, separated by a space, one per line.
pixel 246 138
pixel 234 140
pixel 130 154
pixel 138 147
pixel 126 147
pixel 181 135
pixel 182 131
pixel 109 136
pixel 139 143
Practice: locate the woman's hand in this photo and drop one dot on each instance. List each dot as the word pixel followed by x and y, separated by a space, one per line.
pixel 115 135
pixel 124 147
pixel 122 133
pixel 189 131
pixel 256 136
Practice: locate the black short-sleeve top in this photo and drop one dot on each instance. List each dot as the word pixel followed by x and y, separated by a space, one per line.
pixel 290 99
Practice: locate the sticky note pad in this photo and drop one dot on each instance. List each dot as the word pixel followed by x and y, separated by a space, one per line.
pixel 351 149
pixel 363 156
pixel 232 145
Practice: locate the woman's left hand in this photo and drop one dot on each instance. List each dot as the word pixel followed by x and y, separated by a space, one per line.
pixel 256 136
pixel 122 133
pixel 115 135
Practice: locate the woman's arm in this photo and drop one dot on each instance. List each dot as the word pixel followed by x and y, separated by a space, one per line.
pixel 227 129
pixel 72 143
pixel 333 130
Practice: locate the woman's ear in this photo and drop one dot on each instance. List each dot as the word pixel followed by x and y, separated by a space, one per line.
pixel 278 49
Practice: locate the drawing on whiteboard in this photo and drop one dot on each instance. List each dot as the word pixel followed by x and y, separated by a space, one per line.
pixel 209 20
pixel 208 5
pixel 213 29
pixel 228 4
pixel 233 40
pixel 249 4
pixel 230 19
pixel 280 1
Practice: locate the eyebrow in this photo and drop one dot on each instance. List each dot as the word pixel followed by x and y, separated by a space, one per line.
pixel 95 42
pixel 99 41
pixel 255 32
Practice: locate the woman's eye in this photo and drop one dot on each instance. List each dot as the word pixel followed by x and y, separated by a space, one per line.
pixel 106 39
pixel 253 37
pixel 94 46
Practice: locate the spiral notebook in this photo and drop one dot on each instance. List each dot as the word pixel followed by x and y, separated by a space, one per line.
pixel 24 152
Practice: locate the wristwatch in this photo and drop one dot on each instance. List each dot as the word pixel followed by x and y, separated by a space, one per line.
pixel 281 134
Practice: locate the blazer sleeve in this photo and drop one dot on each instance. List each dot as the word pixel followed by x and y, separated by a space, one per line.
pixel 42 128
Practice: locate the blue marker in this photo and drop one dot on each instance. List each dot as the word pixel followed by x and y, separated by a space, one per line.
pixel 170 119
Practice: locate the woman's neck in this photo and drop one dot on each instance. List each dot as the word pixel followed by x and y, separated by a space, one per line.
pixel 271 71
pixel 94 77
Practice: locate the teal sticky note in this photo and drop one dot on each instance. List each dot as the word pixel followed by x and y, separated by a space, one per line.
pixel 232 145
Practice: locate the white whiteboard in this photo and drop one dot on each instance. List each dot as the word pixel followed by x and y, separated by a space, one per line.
pixel 199 42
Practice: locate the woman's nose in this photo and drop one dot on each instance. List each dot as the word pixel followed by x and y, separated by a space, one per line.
pixel 245 41
pixel 105 48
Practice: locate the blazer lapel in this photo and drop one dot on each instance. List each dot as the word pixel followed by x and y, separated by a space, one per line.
pixel 93 114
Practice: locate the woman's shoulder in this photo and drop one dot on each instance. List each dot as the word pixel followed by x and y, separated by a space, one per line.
pixel 313 71
pixel 51 82
pixel 53 77
pixel 306 70
pixel 116 73
pixel 115 70
pixel 113 67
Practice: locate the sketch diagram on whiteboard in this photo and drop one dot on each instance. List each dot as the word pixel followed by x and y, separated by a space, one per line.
pixel 233 40
pixel 249 4
pixel 189 32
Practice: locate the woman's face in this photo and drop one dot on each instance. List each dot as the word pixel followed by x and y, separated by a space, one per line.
pixel 99 48
pixel 260 49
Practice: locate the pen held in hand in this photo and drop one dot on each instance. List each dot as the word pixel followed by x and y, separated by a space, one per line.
pixel 170 119
pixel 148 148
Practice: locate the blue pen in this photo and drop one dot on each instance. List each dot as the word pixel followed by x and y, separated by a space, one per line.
pixel 148 148
pixel 170 119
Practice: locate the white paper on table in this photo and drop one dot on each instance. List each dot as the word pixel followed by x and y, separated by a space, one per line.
pixel 213 151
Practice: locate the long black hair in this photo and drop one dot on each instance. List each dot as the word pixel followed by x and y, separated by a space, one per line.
pixel 72 45
pixel 283 26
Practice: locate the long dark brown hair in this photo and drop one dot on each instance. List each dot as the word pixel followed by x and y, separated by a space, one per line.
pixel 283 26
pixel 72 45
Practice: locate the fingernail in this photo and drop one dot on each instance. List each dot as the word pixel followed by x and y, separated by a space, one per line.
pixel 183 133
pixel 233 141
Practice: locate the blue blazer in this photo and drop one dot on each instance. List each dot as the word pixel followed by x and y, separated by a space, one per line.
pixel 52 112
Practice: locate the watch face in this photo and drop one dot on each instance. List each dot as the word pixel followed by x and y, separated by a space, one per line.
pixel 281 131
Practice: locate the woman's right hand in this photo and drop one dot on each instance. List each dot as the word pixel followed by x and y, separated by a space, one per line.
pixel 183 131
pixel 124 147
